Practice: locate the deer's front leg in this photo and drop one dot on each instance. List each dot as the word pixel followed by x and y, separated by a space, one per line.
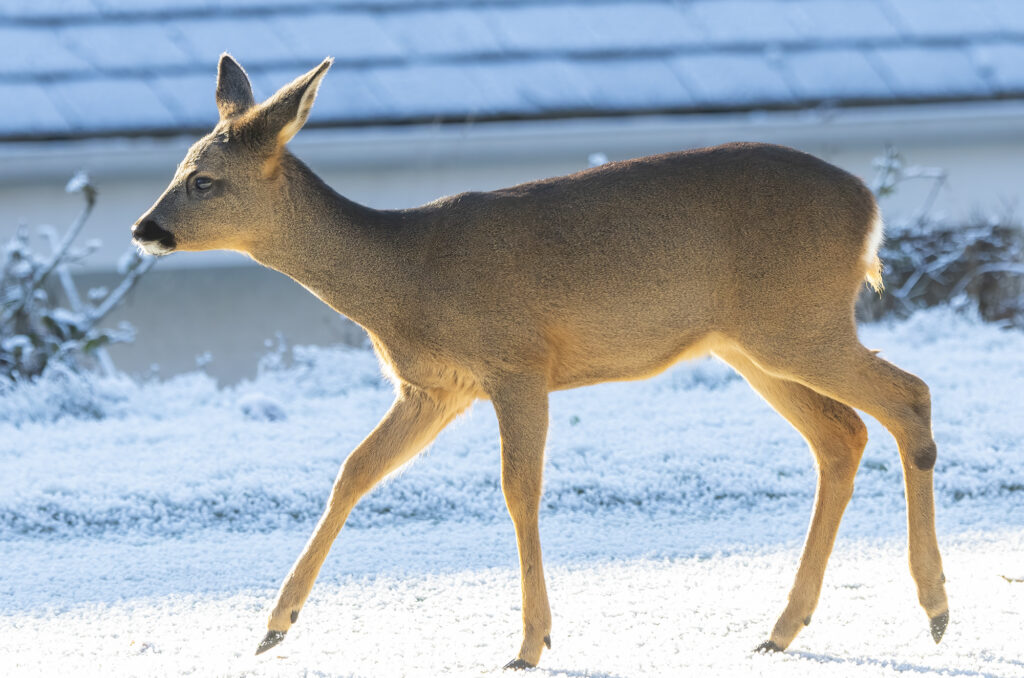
pixel 522 408
pixel 413 421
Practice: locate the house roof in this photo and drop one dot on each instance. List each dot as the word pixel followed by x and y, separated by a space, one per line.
pixel 93 68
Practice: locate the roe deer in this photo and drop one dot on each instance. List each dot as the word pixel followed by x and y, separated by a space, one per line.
pixel 751 252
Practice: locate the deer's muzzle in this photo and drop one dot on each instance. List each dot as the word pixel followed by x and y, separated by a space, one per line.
pixel 152 238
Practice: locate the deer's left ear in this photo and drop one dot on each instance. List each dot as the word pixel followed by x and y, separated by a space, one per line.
pixel 234 93
pixel 286 112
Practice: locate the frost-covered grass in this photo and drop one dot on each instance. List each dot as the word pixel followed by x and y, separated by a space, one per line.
pixel 145 527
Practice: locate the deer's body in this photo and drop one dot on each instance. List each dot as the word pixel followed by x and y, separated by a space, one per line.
pixel 613 273
pixel 752 252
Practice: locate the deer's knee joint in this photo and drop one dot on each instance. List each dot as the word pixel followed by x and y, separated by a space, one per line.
pixel 924 458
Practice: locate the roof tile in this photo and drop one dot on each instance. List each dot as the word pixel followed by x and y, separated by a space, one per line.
pixel 107 104
pixel 189 97
pixel 32 51
pixel 347 36
pixel 541 84
pixel 945 18
pixel 151 7
pixel 932 72
pixel 440 32
pixel 1009 14
pixel 748 21
pixel 835 74
pixel 542 29
pixel 439 90
pixel 641 25
pixel 825 20
pixel 236 5
pixel 632 84
pixel 25 109
pixel 623 27
pixel 252 40
pixel 1002 63
pixel 741 79
pixel 46 9
pixel 146 46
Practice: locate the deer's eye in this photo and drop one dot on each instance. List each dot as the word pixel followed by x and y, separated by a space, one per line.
pixel 202 183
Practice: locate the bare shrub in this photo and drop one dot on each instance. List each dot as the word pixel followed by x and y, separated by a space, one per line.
pixel 35 330
pixel 977 265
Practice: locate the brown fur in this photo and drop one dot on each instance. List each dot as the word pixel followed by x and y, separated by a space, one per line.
pixel 754 253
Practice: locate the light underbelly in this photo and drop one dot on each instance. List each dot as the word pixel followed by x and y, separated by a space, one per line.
pixel 585 363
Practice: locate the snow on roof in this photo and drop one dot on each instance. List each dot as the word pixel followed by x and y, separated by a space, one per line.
pixel 81 68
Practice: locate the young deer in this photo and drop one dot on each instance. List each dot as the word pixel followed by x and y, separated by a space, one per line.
pixel 751 252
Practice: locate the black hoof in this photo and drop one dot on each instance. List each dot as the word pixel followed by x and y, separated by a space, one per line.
pixel 547 641
pixel 518 665
pixel 767 647
pixel 270 640
pixel 938 625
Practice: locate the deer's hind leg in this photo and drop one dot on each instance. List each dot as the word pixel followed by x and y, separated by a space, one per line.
pixel 838 366
pixel 836 436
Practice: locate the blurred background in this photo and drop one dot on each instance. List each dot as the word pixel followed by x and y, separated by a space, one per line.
pixel 442 96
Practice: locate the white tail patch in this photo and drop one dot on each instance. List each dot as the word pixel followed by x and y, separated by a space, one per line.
pixel 873 272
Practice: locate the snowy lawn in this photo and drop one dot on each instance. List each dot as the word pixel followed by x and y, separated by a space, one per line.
pixel 144 529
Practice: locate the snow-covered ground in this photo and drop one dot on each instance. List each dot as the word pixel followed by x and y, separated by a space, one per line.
pixel 145 528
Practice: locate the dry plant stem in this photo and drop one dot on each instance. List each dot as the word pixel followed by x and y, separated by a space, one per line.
pixel 59 252
pixel 75 300
pixel 125 286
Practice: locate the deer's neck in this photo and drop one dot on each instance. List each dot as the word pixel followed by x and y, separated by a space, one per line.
pixel 348 255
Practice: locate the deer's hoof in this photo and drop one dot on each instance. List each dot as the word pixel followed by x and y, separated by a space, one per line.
pixel 270 640
pixel 938 625
pixel 518 665
pixel 767 647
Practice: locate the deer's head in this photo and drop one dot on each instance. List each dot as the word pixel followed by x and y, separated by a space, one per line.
pixel 230 186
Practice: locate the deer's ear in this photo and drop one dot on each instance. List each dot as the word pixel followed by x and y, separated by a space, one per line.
pixel 286 112
pixel 234 93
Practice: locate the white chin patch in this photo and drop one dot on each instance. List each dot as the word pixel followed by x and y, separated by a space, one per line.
pixel 153 247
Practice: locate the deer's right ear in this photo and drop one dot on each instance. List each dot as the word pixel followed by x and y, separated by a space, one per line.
pixel 234 93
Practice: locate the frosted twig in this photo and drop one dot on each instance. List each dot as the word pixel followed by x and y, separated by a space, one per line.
pixel 126 284
pixel 78 183
pixel 75 300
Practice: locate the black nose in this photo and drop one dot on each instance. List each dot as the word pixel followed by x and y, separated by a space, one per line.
pixel 150 231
